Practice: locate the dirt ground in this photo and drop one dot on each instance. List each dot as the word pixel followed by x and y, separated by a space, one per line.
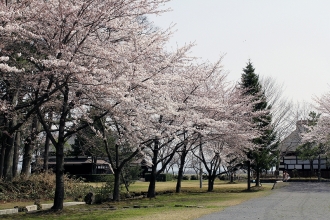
pixel 296 201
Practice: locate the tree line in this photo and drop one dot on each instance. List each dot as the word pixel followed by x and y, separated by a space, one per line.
pixel 99 70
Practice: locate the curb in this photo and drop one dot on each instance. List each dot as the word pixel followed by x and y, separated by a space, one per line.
pixel 31 208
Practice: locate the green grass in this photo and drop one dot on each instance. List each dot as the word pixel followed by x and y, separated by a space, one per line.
pixel 164 206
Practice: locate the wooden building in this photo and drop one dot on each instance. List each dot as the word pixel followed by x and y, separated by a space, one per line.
pixel 79 165
pixel 291 162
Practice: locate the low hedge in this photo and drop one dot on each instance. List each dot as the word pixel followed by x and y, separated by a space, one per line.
pixel 163 177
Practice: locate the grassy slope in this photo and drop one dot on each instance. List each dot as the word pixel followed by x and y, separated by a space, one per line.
pixel 163 206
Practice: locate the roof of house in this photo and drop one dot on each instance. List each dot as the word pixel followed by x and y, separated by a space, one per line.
pixel 291 142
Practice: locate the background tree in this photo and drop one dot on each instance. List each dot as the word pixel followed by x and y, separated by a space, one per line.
pixel 311 149
pixel 264 157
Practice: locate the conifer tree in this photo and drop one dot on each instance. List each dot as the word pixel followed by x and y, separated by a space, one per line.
pixel 264 157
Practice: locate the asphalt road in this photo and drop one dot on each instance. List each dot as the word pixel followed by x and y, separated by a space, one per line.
pixel 297 201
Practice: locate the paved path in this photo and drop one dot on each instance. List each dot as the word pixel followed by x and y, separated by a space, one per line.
pixel 297 201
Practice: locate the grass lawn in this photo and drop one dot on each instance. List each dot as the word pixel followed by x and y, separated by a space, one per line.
pixel 192 203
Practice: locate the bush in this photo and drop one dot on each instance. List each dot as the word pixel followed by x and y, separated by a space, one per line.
pixel 163 177
pixel 185 177
pixel 104 193
pixel 75 189
pixel 41 186
pixel 222 177
pixel 194 177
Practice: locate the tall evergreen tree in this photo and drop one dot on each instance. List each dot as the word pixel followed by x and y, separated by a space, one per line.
pixel 264 157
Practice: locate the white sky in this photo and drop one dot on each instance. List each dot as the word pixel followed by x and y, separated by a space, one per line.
pixel 285 39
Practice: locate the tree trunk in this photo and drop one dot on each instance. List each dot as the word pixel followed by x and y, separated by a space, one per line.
pixel 210 182
pixel 319 169
pixel 28 149
pixel 27 157
pixel 180 172
pixel 9 154
pixel 231 177
pixel 47 144
pixel 257 177
pixel 249 175
pixel 2 154
pixel 153 174
pixel 46 153
pixel 116 189
pixel 311 167
pixel 9 158
pixel 94 161
pixel 59 190
pixel 17 145
pixel 152 184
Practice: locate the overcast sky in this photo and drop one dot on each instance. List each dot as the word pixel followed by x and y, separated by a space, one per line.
pixel 288 40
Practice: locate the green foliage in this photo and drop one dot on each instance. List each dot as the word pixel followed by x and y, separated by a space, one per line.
pixel 194 177
pixel 250 80
pixel 130 174
pixel 185 177
pixel 309 150
pixel 104 193
pixel 265 156
pixel 313 118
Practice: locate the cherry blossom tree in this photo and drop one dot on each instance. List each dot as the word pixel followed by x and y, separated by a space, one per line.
pixel 316 140
pixel 87 53
pixel 102 54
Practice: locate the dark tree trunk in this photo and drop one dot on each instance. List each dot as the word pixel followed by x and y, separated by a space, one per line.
pixel 27 157
pixel 210 182
pixel 319 169
pixel 2 154
pixel 153 174
pixel 257 177
pixel 16 153
pixel 117 171
pixel 9 154
pixel 9 158
pixel 116 189
pixel 311 167
pixel 47 144
pixel 180 172
pixel 46 154
pixel 94 161
pixel 249 175
pixel 152 184
pixel 59 190
pixel 28 149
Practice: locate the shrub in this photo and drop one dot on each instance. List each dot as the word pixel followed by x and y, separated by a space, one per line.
pixel 104 192
pixel 194 177
pixel 75 188
pixel 41 186
pixel 163 177
pixel 222 177
pixel 185 177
